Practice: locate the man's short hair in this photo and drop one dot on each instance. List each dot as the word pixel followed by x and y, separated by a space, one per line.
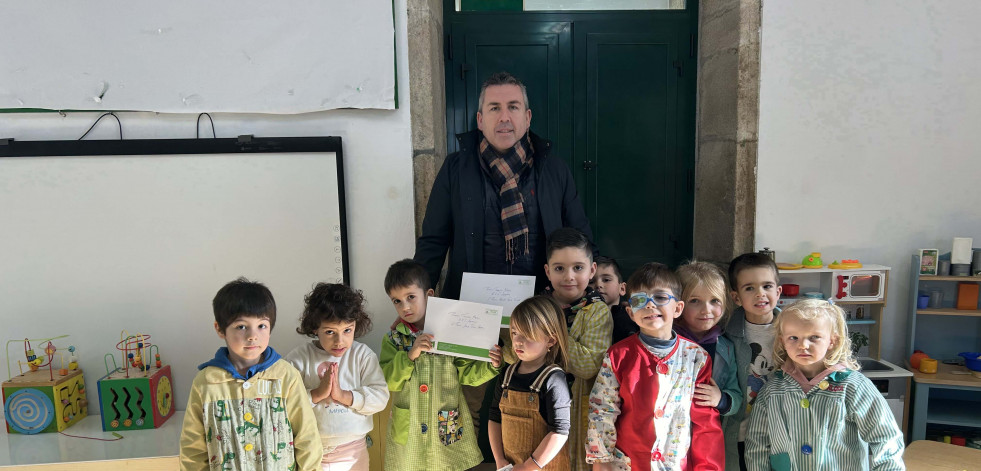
pixel 747 261
pixel 501 78
pixel 243 298
pixel 405 273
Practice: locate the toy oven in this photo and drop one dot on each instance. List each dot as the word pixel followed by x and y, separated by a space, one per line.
pixel 859 285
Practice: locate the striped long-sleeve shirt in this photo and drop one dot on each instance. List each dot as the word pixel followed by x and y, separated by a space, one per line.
pixel 835 425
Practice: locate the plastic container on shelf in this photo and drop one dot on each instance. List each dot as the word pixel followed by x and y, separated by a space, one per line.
pixel 972 360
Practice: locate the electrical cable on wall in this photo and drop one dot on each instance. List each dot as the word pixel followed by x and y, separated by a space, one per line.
pixel 197 127
pixel 100 119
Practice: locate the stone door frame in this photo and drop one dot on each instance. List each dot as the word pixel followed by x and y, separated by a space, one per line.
pixel 727 119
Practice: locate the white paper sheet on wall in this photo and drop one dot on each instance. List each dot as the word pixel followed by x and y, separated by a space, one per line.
pixel 187 56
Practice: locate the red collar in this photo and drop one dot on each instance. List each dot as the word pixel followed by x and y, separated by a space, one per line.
pixel 413 329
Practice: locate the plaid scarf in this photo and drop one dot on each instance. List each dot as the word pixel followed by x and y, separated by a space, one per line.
pixel 504 171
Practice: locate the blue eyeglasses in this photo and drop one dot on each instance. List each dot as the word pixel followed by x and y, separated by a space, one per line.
pixel 639 300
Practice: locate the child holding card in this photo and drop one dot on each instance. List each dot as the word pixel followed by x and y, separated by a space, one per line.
pixel 430 425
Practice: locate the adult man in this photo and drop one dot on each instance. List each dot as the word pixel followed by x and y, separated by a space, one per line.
pixel 495 201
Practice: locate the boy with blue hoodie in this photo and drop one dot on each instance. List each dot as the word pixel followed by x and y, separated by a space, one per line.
pixel 248 408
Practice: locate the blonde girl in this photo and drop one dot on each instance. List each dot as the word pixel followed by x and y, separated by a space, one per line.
pixel 817 411
pixel 703 289
pixel 529 418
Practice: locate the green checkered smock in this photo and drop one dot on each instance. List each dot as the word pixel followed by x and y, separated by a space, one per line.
pixel 430 426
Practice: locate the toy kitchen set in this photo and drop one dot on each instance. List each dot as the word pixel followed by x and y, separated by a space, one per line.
pixel 860 290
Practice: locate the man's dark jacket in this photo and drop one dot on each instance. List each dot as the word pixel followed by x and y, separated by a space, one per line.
pixel 455 214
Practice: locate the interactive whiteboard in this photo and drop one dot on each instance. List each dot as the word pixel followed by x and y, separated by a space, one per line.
pixel 103 236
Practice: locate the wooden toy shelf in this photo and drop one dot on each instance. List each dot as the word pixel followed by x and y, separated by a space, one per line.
pixel 946 376
pixel 951 396
pixel 948 312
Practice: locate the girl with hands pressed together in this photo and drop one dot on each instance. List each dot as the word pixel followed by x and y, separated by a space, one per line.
pixel 343 376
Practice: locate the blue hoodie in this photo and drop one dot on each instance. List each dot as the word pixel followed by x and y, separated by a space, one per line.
pixel 221 361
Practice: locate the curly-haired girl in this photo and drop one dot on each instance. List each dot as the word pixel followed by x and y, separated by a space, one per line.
pixel 343 377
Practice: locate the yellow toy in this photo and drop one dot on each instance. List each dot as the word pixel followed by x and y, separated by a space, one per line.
pixel 845 264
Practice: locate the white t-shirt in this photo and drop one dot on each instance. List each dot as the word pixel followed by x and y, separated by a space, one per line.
pixel 760 340
pixel 358 371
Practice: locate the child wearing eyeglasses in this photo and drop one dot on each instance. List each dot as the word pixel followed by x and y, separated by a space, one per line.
pixel 569 268
pixel 643 415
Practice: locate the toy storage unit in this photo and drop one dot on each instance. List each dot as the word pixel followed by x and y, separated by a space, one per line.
pixel 951 397
pixel 137 402
pixel 33 402
pixel 823 280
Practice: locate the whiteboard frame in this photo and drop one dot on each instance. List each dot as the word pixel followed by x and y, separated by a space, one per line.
pixel 241 145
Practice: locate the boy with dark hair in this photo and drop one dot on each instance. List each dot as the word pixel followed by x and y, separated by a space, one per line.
pixel 248 408
pixel 430 426
pixel 755 284
pixel 407 272
pixel 610 284
pixel 569 268
pixel 642 414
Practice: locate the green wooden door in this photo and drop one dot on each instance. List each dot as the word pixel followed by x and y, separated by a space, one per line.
pixel 615 93
pixel 631 137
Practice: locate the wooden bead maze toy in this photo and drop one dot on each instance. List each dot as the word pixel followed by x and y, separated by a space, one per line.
pixel 42 399
pixel 139 394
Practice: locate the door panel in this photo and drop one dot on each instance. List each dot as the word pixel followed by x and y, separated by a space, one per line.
pixel 630 145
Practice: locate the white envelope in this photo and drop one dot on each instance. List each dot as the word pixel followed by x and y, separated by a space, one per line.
pixel 462 328
pixel 506 291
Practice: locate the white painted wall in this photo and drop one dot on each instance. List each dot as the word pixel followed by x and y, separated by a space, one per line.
pixel 876 101
pixel 378 167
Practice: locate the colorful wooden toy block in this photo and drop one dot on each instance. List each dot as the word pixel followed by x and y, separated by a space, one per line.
pixel 137 402
pixel 138 395
pixel 41 400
